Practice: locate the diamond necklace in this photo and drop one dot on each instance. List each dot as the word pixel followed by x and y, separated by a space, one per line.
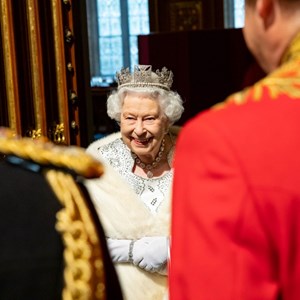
pixel 149 167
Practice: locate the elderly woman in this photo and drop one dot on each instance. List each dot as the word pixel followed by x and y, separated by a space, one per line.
pixel 133 196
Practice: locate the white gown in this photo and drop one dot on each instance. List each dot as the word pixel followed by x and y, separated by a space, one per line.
pixel 131 207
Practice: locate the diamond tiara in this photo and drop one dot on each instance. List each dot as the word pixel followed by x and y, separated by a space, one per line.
pixel 143 76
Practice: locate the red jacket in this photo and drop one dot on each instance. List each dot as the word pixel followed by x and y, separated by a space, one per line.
pixel 236 195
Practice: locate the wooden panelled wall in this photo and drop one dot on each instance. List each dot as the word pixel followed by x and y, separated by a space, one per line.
pixel 185 15
pixel 44 74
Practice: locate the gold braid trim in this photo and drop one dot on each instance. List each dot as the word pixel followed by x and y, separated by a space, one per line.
pixel 84 271
pixel 46 153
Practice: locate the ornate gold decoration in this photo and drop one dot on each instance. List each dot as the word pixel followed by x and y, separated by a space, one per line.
pixel 69 38
pixel 59 136
pixel 57 133
pixel 73 97
pixel 70 67
pixel 35 133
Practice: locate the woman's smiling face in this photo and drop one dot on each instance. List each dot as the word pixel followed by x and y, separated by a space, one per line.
pixel 143 125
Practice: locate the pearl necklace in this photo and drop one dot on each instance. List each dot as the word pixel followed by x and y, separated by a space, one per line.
pixel 149 167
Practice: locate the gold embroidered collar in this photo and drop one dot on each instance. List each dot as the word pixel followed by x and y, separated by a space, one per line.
pixel 293 50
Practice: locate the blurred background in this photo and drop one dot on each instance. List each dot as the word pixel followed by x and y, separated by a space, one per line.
pixel 58 59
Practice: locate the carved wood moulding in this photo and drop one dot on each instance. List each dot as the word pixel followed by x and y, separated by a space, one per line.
pixel 37 68
pixel 10 89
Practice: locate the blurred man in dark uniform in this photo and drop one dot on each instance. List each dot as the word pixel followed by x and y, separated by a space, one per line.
pixel 236 196
pixel 52 242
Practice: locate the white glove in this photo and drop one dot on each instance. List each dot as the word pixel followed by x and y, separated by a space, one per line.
pixel 118 249
pixel 151 253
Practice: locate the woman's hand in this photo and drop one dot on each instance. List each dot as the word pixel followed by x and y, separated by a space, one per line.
pixel 151 253
pixel 148 253
pixel 119 250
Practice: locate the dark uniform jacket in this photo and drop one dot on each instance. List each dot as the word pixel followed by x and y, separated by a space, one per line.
pixel 52 245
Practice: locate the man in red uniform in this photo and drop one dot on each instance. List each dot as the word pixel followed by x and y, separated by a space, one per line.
pixel 236 194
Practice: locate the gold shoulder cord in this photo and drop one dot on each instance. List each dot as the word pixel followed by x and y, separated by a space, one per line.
pixel 82 252
pixel 84 270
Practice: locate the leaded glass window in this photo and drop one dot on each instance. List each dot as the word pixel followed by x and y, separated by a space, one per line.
pixel 110 35
pixel 138 17
pixel 120 22
pixel 234 13
pixel 239 13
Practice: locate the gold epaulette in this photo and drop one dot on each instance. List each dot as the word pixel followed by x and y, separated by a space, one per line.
pixel 44 152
